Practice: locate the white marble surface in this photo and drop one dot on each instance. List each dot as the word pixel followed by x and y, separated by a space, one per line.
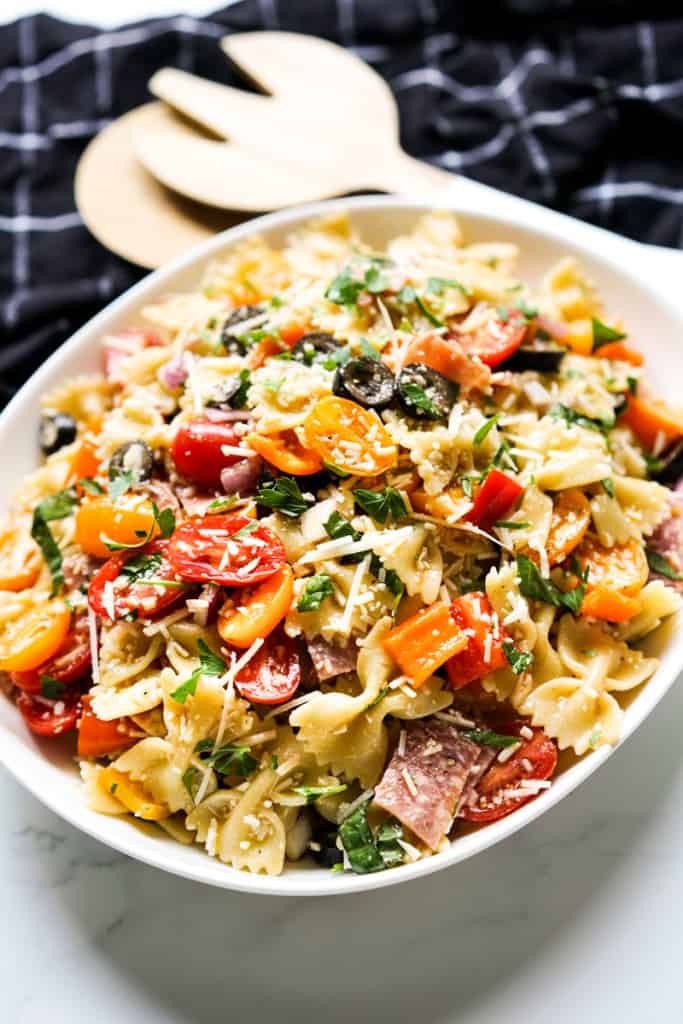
pixel 576 917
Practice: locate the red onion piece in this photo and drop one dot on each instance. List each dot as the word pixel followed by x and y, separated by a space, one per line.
pixel 227 415
pixel 242 476
pixel 173 374
pixel 214 597
pixel 555 329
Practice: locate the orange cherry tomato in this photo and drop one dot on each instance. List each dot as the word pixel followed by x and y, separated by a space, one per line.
pixel 620 568
pixel 610 605
pixel 267 347
pixel 284 451
pixel 349 437
pixel 619 350
pixel 97 737
pixel 258 611
pixel 570 520
pixel 19 559
pixel 27 642
pixel 126 521
pixel 650 420
pixel 85 462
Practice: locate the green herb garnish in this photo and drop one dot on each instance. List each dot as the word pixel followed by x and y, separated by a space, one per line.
pixel 210 664
pixel 382 505
pixel 484 430
pixel 367 349
pixel 367 852
pixel 426 311
pixel 222 504
pixel 229 759
pixel 519 661
pixel 538 588
pixel 436 285
pixel 418 397
pixel 336 527
pixel 91 486
pixel 510 524
pixel 57 506
pixel 571 417
pixel 316 590
pixel 313 793
pixel 121 483
pixel 608 486
pixel 284 495
pixel 603 335
pixel 51 688
pixel 487 738
pixel 660 565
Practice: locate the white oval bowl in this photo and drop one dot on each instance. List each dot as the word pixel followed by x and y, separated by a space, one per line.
pixel 619 268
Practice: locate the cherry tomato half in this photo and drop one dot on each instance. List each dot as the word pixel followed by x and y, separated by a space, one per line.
pixel 497 339
pixel 130 573
pixel 68 665
pixel 349 437
pixel 20 559
pixel 273 674
pixel 230 549
pixel 48 717
pixel 97 737
pixel 257 612
pixel 198 450
pixel 124 522
pixel 535 759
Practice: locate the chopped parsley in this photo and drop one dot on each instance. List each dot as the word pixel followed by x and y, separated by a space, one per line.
pixel 603 335
pixel 336 527
pixel 608 486
pixel 571 417
pixel 90 486
pixel 538 588
pixel 382 505
pixel 239 399
pixel 120 484
pixel 345 288
pixel 141 567
pixel 510 524
pixel 660 565
pixel 228 759
pixel 426 312
pixel 316 590
pixel 418 397
pixel 284 495
pixel 210 664
pixel 436 285
pixel 519 661
pixel 367 349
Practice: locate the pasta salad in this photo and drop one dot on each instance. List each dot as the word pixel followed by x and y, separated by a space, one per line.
pixel 341 549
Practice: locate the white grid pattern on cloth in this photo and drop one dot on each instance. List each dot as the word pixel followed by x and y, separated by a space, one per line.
pixel 346 20
pixel 537 156
pixel 268 14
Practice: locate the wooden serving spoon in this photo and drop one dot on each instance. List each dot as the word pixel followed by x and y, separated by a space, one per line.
pixel 328 126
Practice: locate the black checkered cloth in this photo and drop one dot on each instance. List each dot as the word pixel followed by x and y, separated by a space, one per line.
pixel 571 103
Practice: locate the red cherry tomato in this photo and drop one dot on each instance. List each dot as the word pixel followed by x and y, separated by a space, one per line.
pixel 498 787
pixel 68 665
pixel 497 339
pixel 473 612
pixel 495 498
pixel 198 450
pixel 48 717
pixel 272 676
pixel 131 575
pixel 230 549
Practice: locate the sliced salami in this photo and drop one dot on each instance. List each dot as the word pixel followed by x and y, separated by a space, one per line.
pixel 486 758
pixel 330 660
pixel 425 779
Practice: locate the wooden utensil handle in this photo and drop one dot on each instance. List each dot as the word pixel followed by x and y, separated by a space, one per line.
pixel 402 173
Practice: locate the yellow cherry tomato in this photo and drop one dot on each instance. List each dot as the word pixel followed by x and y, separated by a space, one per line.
pixel 286 453
pixel 126 521
pixel 29 640
pixel 258 612
pixel 622 567
pixel 19 559
pixel 570 520
pixel 131 794
pixel 349 437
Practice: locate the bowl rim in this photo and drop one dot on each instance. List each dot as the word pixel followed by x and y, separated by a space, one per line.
pixel 24 764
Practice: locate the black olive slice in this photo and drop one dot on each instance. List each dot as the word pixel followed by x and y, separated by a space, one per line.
pixel 314 347
pixel 545 357
pixel 365 381
pixel 424 393
pixel 136 458
pixel 55 430
pixel 231 328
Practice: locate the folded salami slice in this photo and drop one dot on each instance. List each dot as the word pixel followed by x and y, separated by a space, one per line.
pixel 422 786
pixel 484 761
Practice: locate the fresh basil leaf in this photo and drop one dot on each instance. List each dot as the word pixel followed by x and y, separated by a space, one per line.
pixel 424 309
pixel 436 285
pixel 165 521
pixel 503 458
pixel 56 506
pixel 375 281
pixel 382 505
pixel 90 486
pixel 571 417
pixel 538 588
pixel 510 524
pixel 222 504
pixel 339 357
pixel 487 738
pixel 313 793
pixel 120 484
pixel 387 838
pixel 484 430
pixel 344 289
pixel 519 661
pixel 359 843
pixel 141 566
pixel 246 530
pixel 210 664
pixel 378 699
pixel 603 335
pixel 608 487
pixel 284 495
pixel 51 688
pixel 660 565
pixel 191 781
pixel 239 399
pixel 316 590
pixel 336 527
pixel 331 468
pixel 186 689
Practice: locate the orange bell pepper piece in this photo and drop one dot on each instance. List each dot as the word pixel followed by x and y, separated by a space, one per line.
pixel 425 642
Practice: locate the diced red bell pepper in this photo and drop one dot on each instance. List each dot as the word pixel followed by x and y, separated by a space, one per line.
pixel 496 497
